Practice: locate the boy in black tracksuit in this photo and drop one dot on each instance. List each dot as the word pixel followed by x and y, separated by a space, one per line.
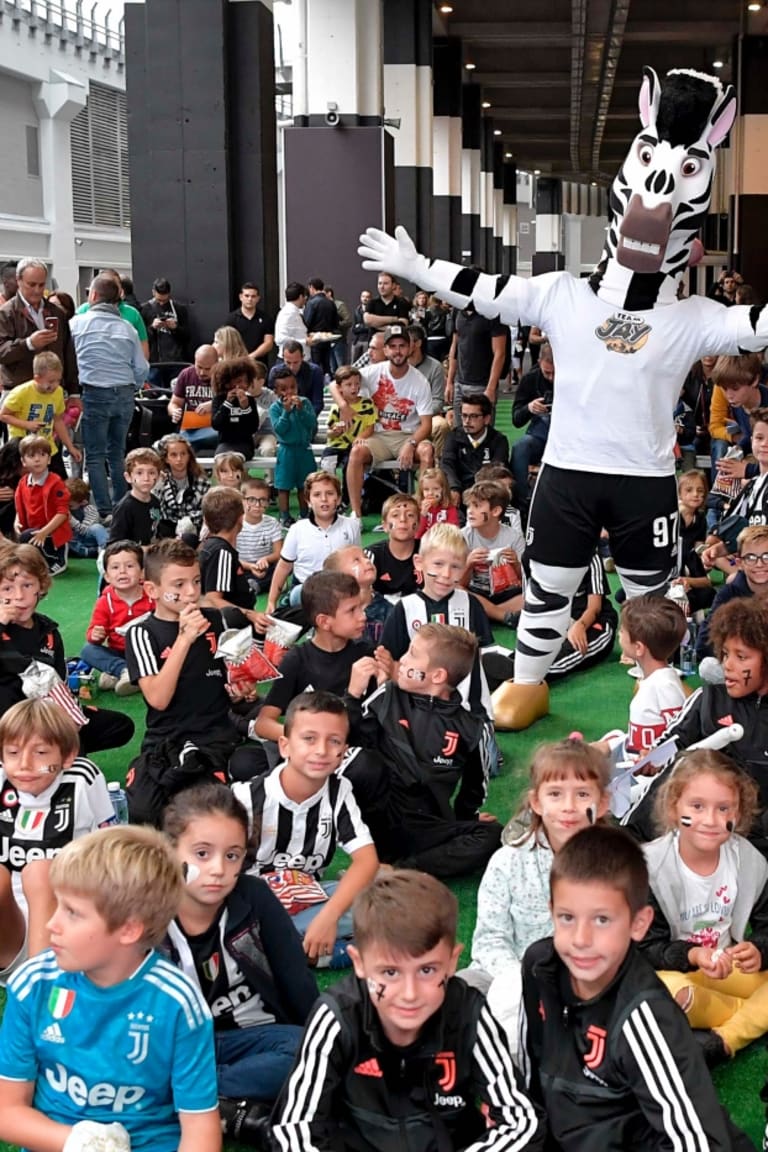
pixel 417 743
pixel 402 1055
pixel 607 1052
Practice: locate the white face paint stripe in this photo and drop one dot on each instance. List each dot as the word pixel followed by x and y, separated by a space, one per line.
pixel 190 872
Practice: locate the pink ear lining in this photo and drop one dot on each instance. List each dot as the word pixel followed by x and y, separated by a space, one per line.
pixel 645 102
pixel 722 124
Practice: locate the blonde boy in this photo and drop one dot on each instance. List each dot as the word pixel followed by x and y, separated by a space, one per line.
pixel 101 1037
pixel 38 406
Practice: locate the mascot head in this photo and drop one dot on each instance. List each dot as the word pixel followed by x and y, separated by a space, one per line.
pixel 660 197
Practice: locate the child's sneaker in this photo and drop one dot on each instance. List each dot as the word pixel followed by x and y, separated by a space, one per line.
pixel 107 682
pixel 123 685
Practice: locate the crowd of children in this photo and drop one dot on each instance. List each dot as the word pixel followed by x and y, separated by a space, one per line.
pixel 161 981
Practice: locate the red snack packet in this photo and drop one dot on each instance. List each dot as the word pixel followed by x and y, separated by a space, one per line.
pixel 281 635
pixel 246 663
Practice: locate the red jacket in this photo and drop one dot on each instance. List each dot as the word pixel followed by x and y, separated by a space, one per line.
pixel 112 612
pixel 37 504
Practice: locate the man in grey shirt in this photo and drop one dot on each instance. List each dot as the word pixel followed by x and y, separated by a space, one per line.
pixel 435 374
pixel 111 367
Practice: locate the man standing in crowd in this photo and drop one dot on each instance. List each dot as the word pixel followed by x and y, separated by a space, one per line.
pixel 289 322
pixel 30 324
pixel 320 315
pixel 256 328
pixel 9 283
pixel 479 349
pixel 167 330
pixel 374 354
pixel 388 305
pixel 360 330
pixel 192 399
pixel 112 367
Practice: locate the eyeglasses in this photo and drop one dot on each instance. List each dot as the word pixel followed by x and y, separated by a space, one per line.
pixel 255 499
pixel 753 558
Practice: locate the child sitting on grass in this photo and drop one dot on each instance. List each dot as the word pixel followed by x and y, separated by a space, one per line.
pixel 393 557
pixel 421 775
pixel 223 578
pixel 137 516
pixel 181 489
pixel 260 539
pixel 651 629
pixel 434 497
pixel 401 1045
pixel 490 542
pixel 121 602
pixel 353 561
pixel 49 795
pixel 301 811
pixel 89 536
pixel 103 1042
pixel 308 542
pixel 751 579
pixel 607 1054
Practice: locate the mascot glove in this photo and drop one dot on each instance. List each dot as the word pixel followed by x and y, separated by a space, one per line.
pixel 88 1136
pixel 396 254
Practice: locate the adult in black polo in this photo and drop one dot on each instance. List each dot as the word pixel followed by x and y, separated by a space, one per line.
pixel 256 328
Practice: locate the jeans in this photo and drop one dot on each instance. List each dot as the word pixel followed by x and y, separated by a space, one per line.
pixel 107 415
pixel 255 1062
pixel 526 451
pixel 103 659
pixel 303 919
pixel 91 543
pixel 201 437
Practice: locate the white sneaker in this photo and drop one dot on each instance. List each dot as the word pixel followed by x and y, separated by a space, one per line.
pixel 123 686
pixel 107 682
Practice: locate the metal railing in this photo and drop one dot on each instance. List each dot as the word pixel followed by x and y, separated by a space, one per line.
pixel 71 20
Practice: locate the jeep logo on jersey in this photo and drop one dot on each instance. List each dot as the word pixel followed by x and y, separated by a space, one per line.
pixel 115 1097
pixel 594 1058
pixel 623 333
pixel 446 1062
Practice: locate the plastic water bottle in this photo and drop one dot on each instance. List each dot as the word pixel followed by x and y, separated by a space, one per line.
pixel 119 802
pixel 688 653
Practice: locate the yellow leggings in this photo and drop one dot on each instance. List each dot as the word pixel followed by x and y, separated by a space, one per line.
pixel 736 1008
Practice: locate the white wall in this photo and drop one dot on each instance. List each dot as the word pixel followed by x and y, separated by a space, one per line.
pixel 20 194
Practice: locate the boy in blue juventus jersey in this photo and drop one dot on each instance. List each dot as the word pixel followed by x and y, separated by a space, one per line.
pixel 101 1037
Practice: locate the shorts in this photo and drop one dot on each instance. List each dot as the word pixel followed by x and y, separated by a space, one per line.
pixel 569 509
pixel 386 445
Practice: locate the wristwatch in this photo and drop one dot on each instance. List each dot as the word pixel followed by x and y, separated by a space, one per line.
pixel 414 443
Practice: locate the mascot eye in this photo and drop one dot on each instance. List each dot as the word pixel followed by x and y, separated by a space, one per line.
pixel 690 167
pixel 645 154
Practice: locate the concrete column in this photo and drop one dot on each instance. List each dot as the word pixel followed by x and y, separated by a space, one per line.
pixel 486 197
pixel 202 147
pixel 749 146
pixel 498 206
pixel 472 249
pixel 548 256
pixel 509 220
pixel 57 101
pixel 446 150
pixel 408 98
pixel 338 166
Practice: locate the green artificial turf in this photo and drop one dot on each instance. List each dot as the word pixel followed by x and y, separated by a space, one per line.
pixel 591 703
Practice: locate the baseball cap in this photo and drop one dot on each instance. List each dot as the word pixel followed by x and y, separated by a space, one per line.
pixel 395 330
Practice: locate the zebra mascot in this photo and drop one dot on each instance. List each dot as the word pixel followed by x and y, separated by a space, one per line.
pixel 623 344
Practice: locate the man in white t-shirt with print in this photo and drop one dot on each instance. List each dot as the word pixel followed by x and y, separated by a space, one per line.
pixel 403 403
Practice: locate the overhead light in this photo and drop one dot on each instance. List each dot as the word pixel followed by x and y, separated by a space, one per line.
pixel 718 63
pixel 485 104
pixel 446 9
pixel 507 155
pixel 470 67
pixel 537 171
pixel 594 183
pixel 497 131
pixel 754 7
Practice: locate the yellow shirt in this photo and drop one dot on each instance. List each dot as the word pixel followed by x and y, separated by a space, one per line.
pixel 26 403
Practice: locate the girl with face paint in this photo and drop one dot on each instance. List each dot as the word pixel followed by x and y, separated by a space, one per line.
pixel 709 885
pixel 568 791
pixel 235 941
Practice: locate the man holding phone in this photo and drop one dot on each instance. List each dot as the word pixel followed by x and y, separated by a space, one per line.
pixel 30 324
pixel 533 405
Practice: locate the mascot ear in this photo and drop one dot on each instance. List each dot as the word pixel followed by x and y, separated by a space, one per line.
pixel 722 118
pixel 650 94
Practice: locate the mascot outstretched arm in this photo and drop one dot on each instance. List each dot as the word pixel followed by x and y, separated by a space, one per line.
pixel 622 344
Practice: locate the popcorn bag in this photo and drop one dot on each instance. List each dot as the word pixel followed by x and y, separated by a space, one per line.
pixel 41 682
pixel 246 663
pixel 502 574
pixel 281 635
pixel 294 889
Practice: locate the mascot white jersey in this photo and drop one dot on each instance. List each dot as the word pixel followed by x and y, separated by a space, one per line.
pixel 622 345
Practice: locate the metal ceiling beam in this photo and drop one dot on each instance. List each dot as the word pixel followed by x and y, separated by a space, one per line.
pixel 707 32
pixel 553 34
